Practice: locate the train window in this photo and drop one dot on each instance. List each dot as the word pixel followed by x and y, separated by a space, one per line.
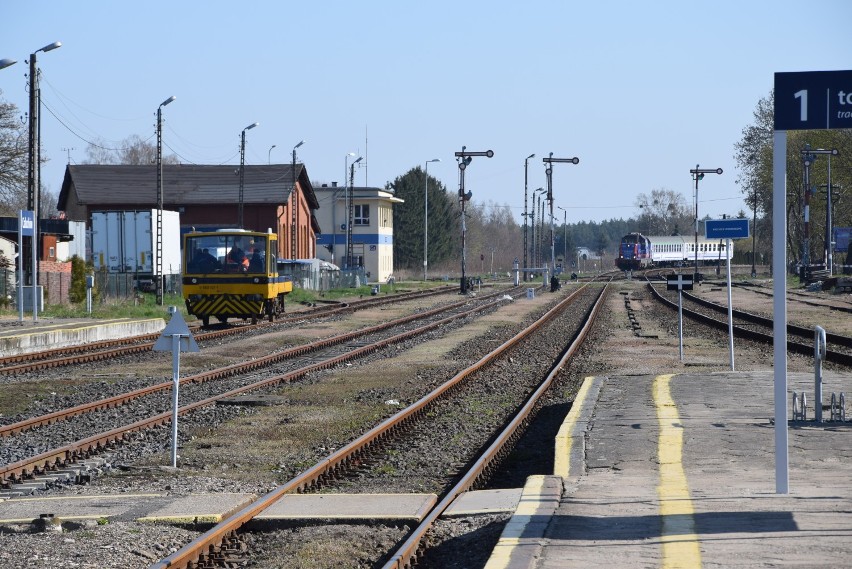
pixel 256 255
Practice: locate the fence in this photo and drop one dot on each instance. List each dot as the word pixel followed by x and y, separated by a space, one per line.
pixel 126 285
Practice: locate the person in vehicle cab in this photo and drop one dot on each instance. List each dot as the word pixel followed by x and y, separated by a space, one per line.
pixel 236 256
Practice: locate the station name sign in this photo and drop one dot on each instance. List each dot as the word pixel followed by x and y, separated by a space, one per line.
pixel 813 100
pixel 726 228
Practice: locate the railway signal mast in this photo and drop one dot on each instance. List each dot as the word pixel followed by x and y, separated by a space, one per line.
pixel 809 155
pixel 549 172
pixel 464 158
pixel 698 174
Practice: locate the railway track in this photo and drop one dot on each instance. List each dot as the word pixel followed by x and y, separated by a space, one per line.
pixel 224 542
pixel 747 325
pixel 110 349
pixel 205 389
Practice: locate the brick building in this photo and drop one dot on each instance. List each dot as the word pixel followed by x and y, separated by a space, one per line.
pixel 276 197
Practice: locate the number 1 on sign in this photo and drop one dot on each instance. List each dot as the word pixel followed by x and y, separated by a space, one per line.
pixel 803 112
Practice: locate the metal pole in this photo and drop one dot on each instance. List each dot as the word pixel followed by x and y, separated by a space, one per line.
pixel 426 221
pixel 20 267
pixel 806 259
pixel 697 177
pixel 526 168
pixel 754 236
pixel 242 178
pixel 680 321
pixel 779 286
pixel 829 256
pixel 426 224
pixel 175 388
pixel 294 253
pixel 158 276
pixel 730 304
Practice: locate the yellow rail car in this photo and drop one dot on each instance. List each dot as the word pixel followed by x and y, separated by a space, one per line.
pixel 233 274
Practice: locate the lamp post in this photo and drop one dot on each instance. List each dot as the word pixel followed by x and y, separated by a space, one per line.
pixel 526 165
pixel 464 158
pixel 549 172
pixel 345 226
pixel 753 233
pixel 698 174
pixel 158 274
pixel 242 172
pixel 536 236
pixel 269 154
pixel 565 242
pixel 350 210
pixel 4 63
pixel 426 221
pixel 34 163
pixel 294 250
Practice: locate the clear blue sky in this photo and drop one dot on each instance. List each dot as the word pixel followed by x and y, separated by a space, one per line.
pixel 640 91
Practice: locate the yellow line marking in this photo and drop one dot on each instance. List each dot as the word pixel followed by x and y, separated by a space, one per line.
pixel 511 537
pixel 564 438
pixel 680 542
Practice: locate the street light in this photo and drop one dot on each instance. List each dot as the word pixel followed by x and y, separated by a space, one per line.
pixel 34 163
pixel 565 243
pixel 349 195
pixel 294 252
pixel 242 171
pixel 464 159
pixel 269 154
pixel 698 174
pixel 4 63
pixel 536 234
pixel 158 275
pixel 526 164
pixel 549 172
pixel 345 225
pixel 426 221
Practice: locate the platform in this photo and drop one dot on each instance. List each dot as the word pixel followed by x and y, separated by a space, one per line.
pixel 679 471
pixel 213 507
pixel 47 333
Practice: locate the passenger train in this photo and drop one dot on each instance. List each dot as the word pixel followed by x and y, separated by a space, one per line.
pixel 233 274
pixel 637 251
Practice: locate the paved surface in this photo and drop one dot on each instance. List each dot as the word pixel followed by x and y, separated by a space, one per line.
pixel 679 471
pixel 28 336
pixel 211 508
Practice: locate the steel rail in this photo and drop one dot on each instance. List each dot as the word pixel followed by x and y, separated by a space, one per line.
pixel 62 456
pixel 407 552
pixel 223 534
pixel 84 353
pixel 227 371
pixel 805 349
pixel 801 331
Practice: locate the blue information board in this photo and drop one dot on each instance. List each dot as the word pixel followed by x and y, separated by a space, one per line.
pixel 726 228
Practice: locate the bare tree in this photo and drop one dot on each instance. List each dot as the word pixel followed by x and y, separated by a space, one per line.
pixel 664 212
pixel 132 150
pixel 13 160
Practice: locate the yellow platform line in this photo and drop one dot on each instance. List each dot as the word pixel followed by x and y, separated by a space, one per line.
pixel 565 436
pixel 680 542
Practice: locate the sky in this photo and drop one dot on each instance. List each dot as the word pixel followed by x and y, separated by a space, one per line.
pixel 640 92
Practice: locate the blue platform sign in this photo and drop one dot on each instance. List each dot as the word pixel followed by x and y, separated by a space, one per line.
pixel 27 223
pixel 812 100
pixel 726 228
